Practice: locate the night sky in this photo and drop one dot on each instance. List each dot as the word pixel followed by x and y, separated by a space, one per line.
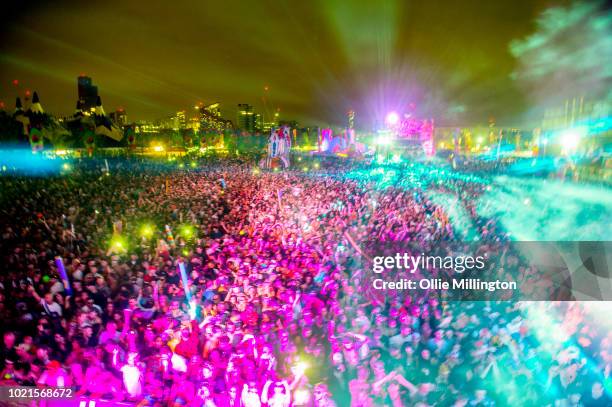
pixel 450 59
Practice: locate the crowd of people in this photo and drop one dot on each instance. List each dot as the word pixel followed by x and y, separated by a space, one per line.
pixel 273 307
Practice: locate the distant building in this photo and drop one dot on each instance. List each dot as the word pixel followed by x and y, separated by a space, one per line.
pixel 267 126
pixel 88 93
pixel 211 119
pixel 168 123
pixel 246 120
pixel 119 117
pixel 147 127
pixel 213 110
pixel 176 122
pixel 180 118
pixel 258 122
pixel 194 123
pixel 351 119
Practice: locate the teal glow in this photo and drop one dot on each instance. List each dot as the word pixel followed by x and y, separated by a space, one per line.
pixel 549 210
pixel 24 162
pixel 531 209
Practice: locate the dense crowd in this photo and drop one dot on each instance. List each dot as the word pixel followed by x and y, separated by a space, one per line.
pixel 273 311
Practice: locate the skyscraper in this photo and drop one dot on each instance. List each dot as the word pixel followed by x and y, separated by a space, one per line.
pixel 119 117
pixel 212 120
pixel 246 120
pixel 213 110
pixel 258 122
pixel 88 93
pixel 182 121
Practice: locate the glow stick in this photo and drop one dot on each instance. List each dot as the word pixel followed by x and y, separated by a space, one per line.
pixel 62 271
pixel 355 246
pixel 183 272
pixel 192 309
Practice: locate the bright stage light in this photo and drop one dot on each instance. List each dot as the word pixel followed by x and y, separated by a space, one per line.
pixel 392 118
pixel 158 149
pixel 66 167
pixel 570 138
pixel 384 138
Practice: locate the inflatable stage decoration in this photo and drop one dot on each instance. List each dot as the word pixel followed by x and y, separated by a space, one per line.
pixel 104 126
pixel 279 146
pixel 23 119
pixel 36 125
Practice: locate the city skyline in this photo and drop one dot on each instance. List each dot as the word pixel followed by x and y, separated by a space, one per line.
pixel 87 97
pixel 314 62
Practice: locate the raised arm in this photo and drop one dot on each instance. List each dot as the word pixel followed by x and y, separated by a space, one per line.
pixel 229 294
pixel 243 395
pixel 115 359
pixel 402 380
pixel 287 393
pixel 127 317
pixel 32 291
pixel 378 384
pixel 264 392
pixel 156 295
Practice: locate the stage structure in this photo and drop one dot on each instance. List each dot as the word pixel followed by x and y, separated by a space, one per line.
pixel 279 147
pixel 342 142
pixel 406 136
pixel 419 131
